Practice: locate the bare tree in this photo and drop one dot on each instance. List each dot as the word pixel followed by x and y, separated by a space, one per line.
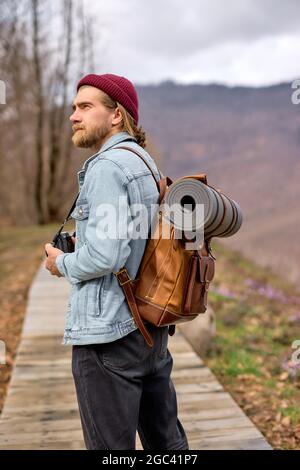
pixel 40 112
pixel 16 125
pixel 58 157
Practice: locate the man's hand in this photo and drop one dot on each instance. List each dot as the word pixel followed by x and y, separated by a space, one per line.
pixel 50 260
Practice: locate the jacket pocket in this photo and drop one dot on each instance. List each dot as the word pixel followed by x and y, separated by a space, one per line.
pixel 93 304
pixel 81 211
pixel 86 303
pixel 126 352
pixel 101 294
pixel 81 215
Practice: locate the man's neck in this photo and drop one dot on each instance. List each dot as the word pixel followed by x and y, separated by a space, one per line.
pixel 99 144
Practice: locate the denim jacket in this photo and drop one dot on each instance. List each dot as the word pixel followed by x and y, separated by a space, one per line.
pixel 97 310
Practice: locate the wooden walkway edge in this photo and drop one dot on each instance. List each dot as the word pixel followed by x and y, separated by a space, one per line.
pixel 41 409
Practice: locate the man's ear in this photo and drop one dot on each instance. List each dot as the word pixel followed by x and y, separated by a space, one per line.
pixel 117 117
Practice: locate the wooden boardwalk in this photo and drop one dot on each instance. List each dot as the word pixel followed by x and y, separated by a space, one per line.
pixel 41 411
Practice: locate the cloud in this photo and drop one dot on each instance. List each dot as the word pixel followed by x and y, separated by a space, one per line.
pixel 236 42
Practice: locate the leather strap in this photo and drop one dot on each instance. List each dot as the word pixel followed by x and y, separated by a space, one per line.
pixel 144 160
pixel 125 283
pixel 123 276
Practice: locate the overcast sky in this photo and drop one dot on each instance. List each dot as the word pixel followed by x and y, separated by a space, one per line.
pixel 245 42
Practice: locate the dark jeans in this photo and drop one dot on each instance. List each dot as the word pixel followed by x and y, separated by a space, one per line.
pixel 125 386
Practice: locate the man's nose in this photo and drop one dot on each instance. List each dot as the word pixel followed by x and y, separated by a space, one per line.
pixel 74 117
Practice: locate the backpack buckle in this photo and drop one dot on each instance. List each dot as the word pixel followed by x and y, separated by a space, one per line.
pixel 122 270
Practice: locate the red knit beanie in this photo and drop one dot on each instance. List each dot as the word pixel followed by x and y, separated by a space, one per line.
pixel 118 88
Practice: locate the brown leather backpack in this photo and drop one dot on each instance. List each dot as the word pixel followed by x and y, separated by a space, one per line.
pixel 172 282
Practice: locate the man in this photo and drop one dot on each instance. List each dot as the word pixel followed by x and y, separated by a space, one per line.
pixel 122 384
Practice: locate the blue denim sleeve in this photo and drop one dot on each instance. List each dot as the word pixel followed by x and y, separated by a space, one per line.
pixel 106 242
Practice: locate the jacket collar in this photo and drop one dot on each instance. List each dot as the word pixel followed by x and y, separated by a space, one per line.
pixel 116 139
pixel 111 142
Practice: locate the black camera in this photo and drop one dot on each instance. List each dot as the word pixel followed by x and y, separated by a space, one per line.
pixel 63 241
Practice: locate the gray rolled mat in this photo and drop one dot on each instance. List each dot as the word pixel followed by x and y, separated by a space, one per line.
pixel 192 206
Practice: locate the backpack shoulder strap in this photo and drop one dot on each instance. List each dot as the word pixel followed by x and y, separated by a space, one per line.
pixel 123 276
pixel 162 183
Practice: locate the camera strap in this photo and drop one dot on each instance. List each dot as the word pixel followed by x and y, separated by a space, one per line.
pixel 66 219
pixel 71 210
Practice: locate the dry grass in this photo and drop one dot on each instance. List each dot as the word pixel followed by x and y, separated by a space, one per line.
pixel 258 319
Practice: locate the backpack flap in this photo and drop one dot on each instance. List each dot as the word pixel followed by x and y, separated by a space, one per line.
pixel 200 177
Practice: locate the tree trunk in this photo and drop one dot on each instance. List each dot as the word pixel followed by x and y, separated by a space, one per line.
pixel 40 116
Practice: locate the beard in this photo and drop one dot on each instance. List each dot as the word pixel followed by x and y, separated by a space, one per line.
pixel 92 137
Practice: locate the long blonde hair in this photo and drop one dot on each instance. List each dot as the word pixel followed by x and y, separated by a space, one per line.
pixel 127 124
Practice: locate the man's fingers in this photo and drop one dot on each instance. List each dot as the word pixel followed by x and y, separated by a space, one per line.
pixel 52 250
